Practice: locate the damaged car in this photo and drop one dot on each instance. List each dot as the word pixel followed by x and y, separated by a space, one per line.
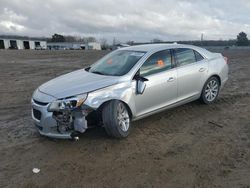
pixel 126 85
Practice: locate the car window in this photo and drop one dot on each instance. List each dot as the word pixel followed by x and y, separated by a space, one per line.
pixel 184 56
pixel 198 56
pixel 158 62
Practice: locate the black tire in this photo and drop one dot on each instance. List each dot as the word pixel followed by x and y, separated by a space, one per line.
pixel 204 98
pixel 111 122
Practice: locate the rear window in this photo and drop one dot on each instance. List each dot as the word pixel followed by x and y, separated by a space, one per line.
pixel 198 56
pixel 184 56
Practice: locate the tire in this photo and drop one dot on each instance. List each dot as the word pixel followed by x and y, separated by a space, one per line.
pixel 116 119
pixel 210 90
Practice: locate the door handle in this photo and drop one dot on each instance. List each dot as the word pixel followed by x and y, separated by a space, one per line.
pixel 202 69
pixel 171 79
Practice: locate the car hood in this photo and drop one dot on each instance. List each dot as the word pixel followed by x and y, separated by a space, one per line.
pixel 77 82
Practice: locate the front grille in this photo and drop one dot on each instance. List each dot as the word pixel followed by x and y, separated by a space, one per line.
pixel 37 114
pixel 40 103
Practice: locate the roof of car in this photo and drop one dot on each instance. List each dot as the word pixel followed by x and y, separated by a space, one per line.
pixel 155 47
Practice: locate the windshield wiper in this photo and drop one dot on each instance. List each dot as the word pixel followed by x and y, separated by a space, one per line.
pixel 97 72
pixel 87 69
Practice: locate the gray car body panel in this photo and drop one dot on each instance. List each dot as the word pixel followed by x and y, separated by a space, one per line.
pixel 43 97
pixel 186 85
pixel 75 83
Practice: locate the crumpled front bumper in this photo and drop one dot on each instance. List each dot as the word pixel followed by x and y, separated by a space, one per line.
pixel 45 123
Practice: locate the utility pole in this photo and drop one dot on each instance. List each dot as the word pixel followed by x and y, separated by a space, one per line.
pixel 114 41
pixel 202 38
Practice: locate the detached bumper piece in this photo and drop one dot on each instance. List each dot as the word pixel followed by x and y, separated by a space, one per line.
pixel 57 135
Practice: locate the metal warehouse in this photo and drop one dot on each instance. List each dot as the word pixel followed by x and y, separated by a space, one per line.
pixel 18 42
pixel 74 46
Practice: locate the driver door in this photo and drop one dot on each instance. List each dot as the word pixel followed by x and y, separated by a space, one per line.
pixel 161 87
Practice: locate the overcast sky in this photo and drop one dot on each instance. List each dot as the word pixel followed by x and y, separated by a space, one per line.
pixel 137 20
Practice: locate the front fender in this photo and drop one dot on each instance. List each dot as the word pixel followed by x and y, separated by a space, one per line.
pixel 121 91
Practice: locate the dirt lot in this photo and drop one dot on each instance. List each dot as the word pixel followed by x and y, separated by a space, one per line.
pixel 176 148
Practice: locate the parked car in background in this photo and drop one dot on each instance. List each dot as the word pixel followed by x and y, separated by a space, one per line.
pixel 126 85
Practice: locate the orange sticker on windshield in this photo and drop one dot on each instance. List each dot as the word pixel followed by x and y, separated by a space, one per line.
pixel 160 63
pixel 110 61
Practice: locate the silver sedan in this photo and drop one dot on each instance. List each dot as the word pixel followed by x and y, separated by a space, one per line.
pixel 126 85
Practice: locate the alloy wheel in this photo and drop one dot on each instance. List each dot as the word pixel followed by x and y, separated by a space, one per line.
pixel 211 90
pixel 123 117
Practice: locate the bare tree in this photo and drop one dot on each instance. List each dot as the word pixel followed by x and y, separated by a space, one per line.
pixel 70 38
pixel 104 43
pixel 90 39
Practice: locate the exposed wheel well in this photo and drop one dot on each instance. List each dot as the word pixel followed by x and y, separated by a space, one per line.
pixel 127 106
pixel 217 76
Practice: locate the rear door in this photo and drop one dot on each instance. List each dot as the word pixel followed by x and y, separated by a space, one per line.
pixel 161 87
pixel 191 70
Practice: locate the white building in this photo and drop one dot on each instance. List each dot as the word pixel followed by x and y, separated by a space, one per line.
pixel 74 46
pixel 93 46
pixel 16 42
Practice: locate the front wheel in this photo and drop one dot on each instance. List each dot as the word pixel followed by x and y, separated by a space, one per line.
pixel 210 90
pixel 116 119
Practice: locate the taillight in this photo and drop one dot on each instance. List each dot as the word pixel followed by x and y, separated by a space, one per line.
pixel 226 59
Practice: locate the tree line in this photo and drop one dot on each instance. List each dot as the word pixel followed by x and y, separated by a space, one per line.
pixel 241 40
pixel 68 38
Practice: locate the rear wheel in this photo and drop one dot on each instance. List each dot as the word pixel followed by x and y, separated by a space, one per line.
pixel 116 119
pixel 210 90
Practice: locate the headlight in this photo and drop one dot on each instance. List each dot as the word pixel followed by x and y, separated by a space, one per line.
pixel 68 103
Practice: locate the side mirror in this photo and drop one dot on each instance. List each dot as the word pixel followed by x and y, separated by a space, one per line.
pixel 140 83
pixel 140 87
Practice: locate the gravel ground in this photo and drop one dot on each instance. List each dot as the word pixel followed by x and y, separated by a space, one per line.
pixel 193 145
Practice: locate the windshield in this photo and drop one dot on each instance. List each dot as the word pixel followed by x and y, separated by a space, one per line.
pixel 117 63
